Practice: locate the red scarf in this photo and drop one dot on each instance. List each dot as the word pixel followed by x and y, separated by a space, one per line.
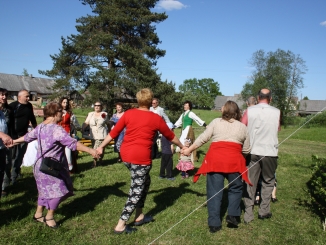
pixel 224 157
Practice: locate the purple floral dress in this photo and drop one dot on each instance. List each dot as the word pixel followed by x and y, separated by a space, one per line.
pixel 55 138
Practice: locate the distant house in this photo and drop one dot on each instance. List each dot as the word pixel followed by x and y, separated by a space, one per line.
pixel 38 87
pixel 308 107
pixel 220 101
pixel 76 97
pixel 120 95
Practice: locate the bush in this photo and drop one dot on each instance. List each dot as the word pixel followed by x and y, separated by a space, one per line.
pixel 293 121
pixel 318 120
pixel 317 185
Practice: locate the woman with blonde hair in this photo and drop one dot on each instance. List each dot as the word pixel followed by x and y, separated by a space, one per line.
pixel 141 125
pixel 97 121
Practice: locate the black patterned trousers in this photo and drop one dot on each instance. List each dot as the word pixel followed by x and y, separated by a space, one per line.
pixel 140 182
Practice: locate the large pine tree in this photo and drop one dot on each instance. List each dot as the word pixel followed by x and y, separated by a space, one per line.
pixel 114 52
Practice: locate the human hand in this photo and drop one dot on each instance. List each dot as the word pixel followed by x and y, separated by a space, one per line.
pixel 7 141
pixel 185 151
pixel 94 153
pixel 99 150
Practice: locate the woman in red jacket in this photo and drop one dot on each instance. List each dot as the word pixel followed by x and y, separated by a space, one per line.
pixel 224 159
pixel 65 123
pixel 141 125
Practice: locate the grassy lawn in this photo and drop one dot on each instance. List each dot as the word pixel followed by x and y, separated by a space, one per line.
pixel 90 216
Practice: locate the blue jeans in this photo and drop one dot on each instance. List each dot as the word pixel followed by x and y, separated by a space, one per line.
pixel 215 184
pixel 7 175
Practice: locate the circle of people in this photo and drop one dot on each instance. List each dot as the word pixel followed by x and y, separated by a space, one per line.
pixel 243 150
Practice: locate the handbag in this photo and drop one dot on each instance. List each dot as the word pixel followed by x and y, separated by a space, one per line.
pixel 49 165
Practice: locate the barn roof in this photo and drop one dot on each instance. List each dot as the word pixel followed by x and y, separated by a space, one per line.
pixel 33 84
pixel 311 106
pixel 220 101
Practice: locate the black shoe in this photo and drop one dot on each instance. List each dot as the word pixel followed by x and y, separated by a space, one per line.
pixel 56 226
pixel 266 216
pixel 4 194
pixel 274 199
pixel 231 220
pixel 256 202
pixel 213 229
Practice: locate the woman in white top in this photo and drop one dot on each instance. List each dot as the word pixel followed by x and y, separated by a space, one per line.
pixel 185 120
pixel 97 121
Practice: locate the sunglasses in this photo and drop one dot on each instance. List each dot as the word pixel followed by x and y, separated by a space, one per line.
pixel 97 105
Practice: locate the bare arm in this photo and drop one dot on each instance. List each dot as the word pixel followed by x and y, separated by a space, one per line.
pixel 177 142
pixel 105 142
pixel 81 147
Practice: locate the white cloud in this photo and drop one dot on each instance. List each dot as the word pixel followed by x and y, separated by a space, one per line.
pixel 170 4
pixel 323 23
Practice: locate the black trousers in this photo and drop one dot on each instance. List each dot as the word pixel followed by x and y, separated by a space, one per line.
pixel 2 163
pixel 166 165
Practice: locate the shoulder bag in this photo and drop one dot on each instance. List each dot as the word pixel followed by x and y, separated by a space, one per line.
pixel 49 165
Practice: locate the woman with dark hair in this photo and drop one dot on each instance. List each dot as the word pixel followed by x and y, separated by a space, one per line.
pixel 224 159
pixel 115 118
pixel 66 114
pixel 136 148
pixel 185 121
pixel 65 123
pixel 52 140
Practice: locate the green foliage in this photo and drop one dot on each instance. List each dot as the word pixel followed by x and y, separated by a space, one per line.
pixel 281 71
pixel 25 73
pixel 114 53
pixel 201 92
pixel 317 184
pixel 293 121
pixel 305 98
pixel 318 120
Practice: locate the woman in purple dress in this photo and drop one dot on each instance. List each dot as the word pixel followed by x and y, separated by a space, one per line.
pixel 52 140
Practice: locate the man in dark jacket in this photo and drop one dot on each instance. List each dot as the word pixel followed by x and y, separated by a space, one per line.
pixel 23 116
pixel 9 116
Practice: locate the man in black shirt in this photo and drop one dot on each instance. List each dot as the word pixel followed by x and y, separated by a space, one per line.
pixel 23 115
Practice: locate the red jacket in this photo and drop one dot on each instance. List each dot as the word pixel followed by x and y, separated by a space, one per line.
pixel 224 157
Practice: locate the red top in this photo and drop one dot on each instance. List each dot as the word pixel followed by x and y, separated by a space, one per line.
pixel 141 127
pixel 65 123
pixel 229 160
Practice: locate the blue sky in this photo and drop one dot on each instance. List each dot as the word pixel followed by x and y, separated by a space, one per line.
pixel 203 39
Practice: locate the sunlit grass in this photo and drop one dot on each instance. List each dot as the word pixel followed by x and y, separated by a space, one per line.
pixel 100 193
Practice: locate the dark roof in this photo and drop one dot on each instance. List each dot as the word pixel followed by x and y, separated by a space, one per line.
pixel 312 106
pixel 15 83
pixel 221 100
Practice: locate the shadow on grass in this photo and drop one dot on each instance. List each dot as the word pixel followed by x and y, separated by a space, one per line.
pixel 88 202
pixel 19 207
pixel 168 196
pixel 313 208
pixel 200 155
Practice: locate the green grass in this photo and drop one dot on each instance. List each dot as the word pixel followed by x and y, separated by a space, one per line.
pixel 90 216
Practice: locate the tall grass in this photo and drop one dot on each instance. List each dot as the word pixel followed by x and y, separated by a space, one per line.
pixel 100 193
